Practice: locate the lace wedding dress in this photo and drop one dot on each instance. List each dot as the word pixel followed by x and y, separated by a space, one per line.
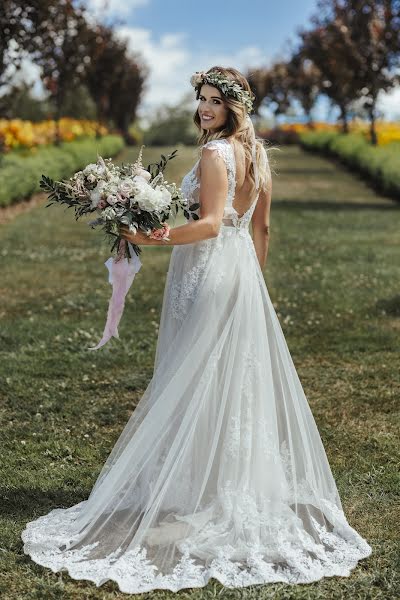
pixel 220 471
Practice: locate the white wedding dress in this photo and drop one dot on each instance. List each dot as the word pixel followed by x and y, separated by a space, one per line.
pixel 220 471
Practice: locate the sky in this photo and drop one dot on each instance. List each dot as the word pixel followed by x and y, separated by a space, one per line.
pixel 176 38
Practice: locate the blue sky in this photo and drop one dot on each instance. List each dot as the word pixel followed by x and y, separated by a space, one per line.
pixel 177 38
pixel 208 23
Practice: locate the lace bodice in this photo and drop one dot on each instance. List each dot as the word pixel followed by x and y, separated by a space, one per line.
pixel 191 184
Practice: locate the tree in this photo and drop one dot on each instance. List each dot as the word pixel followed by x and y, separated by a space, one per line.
pixel 20 23
pixel 107 53
pixel 373 30
pixel 65 52
pixel 355 45
pixel 110 72
pixel 305 82
pixel 327 46
pixel 126 93
pixel 271 85
pixel 258 81
pixel 21 26
pixel 19 103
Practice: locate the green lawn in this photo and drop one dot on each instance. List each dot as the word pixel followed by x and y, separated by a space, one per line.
pixel 333 275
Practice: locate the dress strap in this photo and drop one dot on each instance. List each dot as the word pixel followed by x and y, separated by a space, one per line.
pixel 225 149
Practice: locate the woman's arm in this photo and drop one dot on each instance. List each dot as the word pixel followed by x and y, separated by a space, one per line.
pixel 213 192
pixel 260 224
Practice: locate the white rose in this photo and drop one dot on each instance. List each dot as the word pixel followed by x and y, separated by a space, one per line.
pixel 165 194
pixel 139 184
pixel 112 199
pixel 150 199
pixel 145 174
pixel 126 188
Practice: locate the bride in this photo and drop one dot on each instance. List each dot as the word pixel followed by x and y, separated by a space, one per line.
pixel 220 471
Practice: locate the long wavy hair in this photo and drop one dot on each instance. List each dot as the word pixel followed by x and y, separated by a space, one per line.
pixel 237 127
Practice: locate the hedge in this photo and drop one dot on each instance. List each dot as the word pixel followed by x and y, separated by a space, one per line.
pixel 380 164
pixel 20 174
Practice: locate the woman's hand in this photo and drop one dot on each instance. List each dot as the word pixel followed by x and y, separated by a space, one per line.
pixel 135 238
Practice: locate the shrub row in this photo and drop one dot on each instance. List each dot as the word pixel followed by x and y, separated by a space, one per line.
pixel 20 173
pixel 380 164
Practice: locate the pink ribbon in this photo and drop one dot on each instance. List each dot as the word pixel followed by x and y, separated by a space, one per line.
pixel 121 273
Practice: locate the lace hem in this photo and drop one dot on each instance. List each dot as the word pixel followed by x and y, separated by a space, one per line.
pixel 134 573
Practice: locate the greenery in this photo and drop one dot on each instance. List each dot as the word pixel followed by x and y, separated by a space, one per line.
pixel 171 125
pixel 73 51
pixel 332 275
pixel 20 103
pixel 380 164
pixel 20 172
pixel 349 53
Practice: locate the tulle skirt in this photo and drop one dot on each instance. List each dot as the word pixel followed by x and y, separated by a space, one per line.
pixel 220 471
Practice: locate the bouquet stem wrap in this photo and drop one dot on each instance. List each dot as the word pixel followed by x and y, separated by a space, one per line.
pixel 121 273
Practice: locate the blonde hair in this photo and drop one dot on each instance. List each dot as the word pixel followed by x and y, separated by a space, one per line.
pixel 236 126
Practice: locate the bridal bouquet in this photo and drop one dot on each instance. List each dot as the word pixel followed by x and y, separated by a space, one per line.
pixel 129 195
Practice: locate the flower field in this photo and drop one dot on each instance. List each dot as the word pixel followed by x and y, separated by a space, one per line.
pixel 16 133
pixel 387 131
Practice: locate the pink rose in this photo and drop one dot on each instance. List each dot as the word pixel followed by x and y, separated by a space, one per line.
pixel 101 204
pixel 160 234
pixel 111 199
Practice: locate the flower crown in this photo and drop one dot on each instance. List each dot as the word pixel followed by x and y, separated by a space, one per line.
pixel 226 86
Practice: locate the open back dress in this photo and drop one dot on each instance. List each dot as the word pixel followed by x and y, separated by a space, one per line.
pixel 220 470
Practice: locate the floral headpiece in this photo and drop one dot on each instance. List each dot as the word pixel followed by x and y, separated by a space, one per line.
pixel 226 86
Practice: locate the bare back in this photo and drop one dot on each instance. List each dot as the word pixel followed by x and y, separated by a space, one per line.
pixel 242 199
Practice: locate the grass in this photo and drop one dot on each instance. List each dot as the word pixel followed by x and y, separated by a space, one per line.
pixel 332 273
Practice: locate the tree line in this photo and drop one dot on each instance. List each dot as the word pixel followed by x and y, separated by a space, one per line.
pixel 71 49
pixel 350 53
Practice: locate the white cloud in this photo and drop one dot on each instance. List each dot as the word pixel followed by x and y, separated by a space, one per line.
pixel 171 63
pixel 165 57
pixel 389 104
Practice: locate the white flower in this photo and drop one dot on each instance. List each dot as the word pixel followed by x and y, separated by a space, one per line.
pixel 108 213
pixel 126 188
pixel 91 178
pixel 165 195
pixel 144 174
pixel 153 200
pixel 141 186
pixel 100 170
pixel 111 189
pixel 90 168
pixel 112 199
pixel 197 78
pixel 96 194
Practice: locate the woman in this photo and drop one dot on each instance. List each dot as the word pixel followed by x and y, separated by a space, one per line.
pixel 220 471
